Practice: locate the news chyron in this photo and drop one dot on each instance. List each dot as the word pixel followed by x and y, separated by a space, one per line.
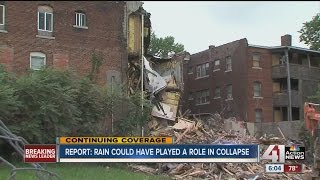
pixel 279 154
pixel 138 149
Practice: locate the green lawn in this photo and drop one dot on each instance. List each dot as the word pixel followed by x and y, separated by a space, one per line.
pixel 79 171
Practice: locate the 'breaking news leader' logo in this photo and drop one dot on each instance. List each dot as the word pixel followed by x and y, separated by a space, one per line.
pixel 280 153
pixel 37 153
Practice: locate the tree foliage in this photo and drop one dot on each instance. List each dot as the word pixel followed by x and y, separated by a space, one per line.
pixel 8 100
pixel 316 97
pixel 163 46
pixel 310 33
pixel 49 103
pixel 134 116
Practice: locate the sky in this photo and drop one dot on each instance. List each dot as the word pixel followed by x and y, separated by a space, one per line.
pixel 198 24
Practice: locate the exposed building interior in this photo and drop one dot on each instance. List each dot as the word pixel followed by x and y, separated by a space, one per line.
pixel 293 83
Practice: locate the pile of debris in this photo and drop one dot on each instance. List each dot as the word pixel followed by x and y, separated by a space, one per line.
pixel 199 132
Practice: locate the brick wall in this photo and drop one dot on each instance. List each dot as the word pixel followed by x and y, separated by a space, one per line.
pixel 241 77
pixel 6 57
pixel 60 61
pixel 72 47
pixel 263 75
pixel 193 85
pixel 237 77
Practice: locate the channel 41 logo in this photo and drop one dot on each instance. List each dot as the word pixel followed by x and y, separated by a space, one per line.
pixel 280 153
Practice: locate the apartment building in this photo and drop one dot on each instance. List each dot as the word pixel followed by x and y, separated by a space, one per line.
pixel 85 36
pixel 250 82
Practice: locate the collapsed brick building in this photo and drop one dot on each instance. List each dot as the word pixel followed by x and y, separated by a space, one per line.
pixel 246 81
pixel 252 83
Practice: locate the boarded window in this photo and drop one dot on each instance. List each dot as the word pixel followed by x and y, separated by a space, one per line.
pixel 37 60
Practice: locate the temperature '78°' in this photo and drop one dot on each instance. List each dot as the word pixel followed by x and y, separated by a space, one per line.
pixel 292 168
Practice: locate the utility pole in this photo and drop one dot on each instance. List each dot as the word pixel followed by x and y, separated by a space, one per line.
pixel 289 86
pixel 142 69
pixel 112 104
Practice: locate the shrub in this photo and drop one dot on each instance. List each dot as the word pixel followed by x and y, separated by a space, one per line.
pixel 135 117
pixel 49 103
pixel 8 100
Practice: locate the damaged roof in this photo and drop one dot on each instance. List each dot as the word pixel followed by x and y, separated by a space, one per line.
pixel 162 60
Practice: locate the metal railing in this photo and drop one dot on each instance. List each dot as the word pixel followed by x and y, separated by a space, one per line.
pixel 18 142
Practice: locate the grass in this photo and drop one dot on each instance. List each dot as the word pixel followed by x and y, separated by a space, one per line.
pixel 79 171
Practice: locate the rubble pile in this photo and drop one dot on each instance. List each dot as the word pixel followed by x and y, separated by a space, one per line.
pixel 197 131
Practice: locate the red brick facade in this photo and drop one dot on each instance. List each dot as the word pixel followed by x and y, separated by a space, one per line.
pixel 6 57
pixel 241 77
pixel 262 75
pixel 71 47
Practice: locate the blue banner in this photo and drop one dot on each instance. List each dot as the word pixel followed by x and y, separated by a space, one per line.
pixel 239 153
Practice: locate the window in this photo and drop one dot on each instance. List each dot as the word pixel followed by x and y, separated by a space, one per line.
pixel 257 89
pixel 228 64
pixel 216 65
pixel 81 20
pixel 256 60
pixel 190 97
pixel 203 70
pixel 2 14
pixel 190 70
pixel 217 93
pixel 229 91
pixel 37 60
pixel 258 113
pixel 202 97
pixel 45 19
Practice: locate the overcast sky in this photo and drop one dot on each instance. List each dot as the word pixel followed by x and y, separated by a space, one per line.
pixel 199 24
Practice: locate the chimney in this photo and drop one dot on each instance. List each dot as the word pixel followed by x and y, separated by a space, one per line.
pixel 286 40
pixel 212 47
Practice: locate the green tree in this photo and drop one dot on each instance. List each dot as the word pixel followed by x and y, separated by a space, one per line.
pixel 8 100
pixel 163 46
pixel 310 33
pixel 316 97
